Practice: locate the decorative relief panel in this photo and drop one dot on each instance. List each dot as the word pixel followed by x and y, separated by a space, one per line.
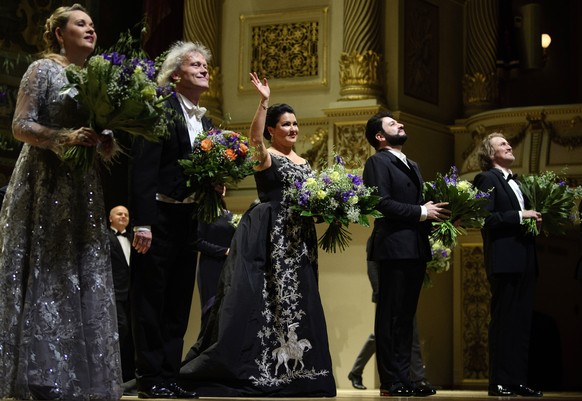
pixel 291 53
pixel 421 50
pixel 350 142
pixel 471 312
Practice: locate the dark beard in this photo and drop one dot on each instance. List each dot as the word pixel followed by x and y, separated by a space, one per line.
pixel 395 140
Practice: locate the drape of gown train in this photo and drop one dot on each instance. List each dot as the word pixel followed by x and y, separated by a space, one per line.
pixel 266 335
pixel 58 326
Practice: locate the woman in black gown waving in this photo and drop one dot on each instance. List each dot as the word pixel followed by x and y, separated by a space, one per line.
pixel 267 335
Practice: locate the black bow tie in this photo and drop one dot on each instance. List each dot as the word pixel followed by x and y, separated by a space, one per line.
pixel 123 234
pixel 511 177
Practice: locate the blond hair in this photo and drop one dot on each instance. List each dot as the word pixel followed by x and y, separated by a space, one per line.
pixel 176 54
pixel 58 19
pixel 486 151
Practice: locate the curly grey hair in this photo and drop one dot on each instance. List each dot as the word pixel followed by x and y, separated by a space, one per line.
pixel 175 56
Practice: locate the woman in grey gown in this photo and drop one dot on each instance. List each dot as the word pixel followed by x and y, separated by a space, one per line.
pixel 58 335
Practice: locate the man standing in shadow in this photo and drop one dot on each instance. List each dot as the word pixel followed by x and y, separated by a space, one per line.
pixel 121 237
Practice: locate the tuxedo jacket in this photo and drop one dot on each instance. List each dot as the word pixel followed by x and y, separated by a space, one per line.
pixel 399 234
pixel 119 266
pixel 506 247
pixel 155 167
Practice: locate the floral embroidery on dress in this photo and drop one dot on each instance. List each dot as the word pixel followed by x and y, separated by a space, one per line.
pixel 282 356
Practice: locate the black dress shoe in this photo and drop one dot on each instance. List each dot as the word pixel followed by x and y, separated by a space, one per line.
pixel 423 388
pixel 397 390
pixel 356 381
pixel 497 390
pixel 525 391
pixel 180 392
pixel 156 391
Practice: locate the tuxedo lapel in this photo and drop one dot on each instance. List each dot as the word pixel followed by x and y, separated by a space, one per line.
pixel 116 246
pixel 502 183
pixel 182 134
pixel 411 171
pixel 414 168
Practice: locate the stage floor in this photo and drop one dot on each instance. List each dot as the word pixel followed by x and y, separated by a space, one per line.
pixel 441 395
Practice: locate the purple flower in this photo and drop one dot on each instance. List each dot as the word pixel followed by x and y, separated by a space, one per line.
pixel 345 196
pixel 356 179
pixel 338 160
pixel 165 90
pixel 148 67
pixel 114 58
pixel 304 199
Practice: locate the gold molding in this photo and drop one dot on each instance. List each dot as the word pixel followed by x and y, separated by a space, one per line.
pixel 360 76
pixel 313 47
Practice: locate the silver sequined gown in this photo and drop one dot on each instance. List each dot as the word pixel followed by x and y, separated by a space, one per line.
pixel 58 330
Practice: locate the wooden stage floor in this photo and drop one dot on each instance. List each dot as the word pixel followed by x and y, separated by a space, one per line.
pixel 441 395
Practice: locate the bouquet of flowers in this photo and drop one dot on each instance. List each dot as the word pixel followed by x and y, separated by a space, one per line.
pixel 335 196
pixel 466 204
pixel 119 93
pixel 218 157
pixel 556 201
pixel 441 261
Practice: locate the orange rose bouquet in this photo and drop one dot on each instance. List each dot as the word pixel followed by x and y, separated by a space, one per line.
pixel 218 157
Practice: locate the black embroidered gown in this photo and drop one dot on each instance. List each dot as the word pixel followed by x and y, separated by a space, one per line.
pixel 267 334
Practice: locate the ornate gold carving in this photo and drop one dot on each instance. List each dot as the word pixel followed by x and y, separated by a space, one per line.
pixel 285 50
pixel 359 76
pixel 350 142
pixel 291 53
pixel 318 151
pixel 480 91
pixel 474 313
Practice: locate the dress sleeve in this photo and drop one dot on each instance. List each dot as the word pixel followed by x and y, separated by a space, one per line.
pixel 33 96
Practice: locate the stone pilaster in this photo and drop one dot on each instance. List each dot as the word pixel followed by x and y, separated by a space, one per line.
pixel 202 24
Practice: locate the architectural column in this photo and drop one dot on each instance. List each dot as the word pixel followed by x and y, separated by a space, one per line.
pixel 360 61
pixel 202 24
pixel 480 84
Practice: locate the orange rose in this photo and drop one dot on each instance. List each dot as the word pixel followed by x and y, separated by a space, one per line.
pixel 230 155
pixel 206 145
pixel 243 149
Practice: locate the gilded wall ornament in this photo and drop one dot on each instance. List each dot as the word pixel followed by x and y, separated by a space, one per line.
pixel 292 52
pixel 474 313
pixel 350 142
pixel 360 75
